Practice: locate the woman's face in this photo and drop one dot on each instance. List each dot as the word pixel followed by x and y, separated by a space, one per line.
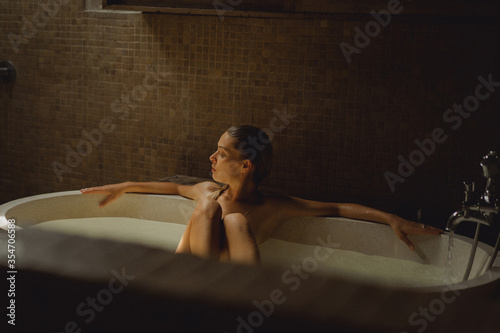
pixel 226 161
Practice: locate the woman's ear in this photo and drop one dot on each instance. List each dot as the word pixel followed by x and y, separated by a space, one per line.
pixel 247 166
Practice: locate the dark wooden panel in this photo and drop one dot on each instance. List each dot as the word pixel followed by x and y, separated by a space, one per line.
pixel 252 5
pixel 305 8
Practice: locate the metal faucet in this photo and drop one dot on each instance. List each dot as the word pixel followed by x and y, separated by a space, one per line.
pixel 480 209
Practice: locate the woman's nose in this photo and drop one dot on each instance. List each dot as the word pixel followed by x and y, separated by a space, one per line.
pixel 212 158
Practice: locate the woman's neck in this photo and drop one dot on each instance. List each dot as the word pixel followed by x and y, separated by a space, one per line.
pixel 242 191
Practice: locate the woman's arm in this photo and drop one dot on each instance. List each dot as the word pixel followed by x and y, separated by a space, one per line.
pixel 114 191
pixel 401 227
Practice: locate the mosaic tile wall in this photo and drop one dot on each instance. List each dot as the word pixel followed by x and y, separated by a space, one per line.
pixel 109 97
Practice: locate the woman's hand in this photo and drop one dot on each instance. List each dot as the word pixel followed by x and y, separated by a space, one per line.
pixel 403 228
pixel 114 191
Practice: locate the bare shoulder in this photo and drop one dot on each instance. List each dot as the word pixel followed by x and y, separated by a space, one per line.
pixel 276 199
pixel 206 188
pixel 280 206
pixel 195 192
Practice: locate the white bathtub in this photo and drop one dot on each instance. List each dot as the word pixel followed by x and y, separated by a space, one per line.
pixel 296 242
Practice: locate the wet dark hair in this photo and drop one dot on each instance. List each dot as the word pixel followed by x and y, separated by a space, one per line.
pixel 254 144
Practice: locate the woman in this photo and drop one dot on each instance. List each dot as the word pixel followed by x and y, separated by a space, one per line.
pixel 229 222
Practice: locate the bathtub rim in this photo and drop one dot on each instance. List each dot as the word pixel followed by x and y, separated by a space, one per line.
pixel 485 278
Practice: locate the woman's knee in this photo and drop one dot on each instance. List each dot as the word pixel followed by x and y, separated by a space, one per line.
pixel 236 222
pixel 208 208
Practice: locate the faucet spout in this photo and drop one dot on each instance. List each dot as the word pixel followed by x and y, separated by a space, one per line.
pixel 471 216
pixel 454 220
